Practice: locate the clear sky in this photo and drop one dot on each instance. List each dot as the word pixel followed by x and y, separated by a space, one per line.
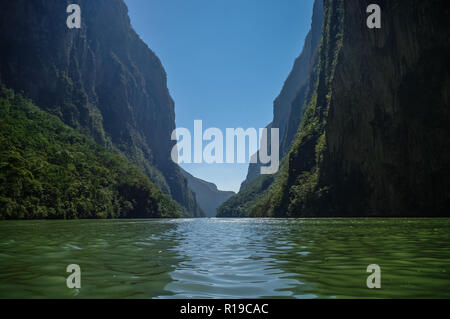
pixel 226 61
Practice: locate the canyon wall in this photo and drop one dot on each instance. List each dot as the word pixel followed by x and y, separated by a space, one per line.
pixel 374 139
pixel 101 79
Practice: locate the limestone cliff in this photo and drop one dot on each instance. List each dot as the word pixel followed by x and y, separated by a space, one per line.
pixel 374 140
pixel 287 114
pixel 101 79
pixel 288 106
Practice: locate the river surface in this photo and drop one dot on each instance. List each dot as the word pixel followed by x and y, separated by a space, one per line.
pixel 226 258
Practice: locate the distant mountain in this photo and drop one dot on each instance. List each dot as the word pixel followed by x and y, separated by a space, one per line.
pixel 101 79
pixel 208 196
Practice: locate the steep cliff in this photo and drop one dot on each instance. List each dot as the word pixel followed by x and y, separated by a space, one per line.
pixel 208 197
pixel 288 106
pixel 100 79
pixel 288 109
pixel 374 140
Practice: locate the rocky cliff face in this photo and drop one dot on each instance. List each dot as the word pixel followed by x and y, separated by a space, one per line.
pixel 100 79
pixel 208 197
pixel 288 106
pixel 287 114
pixel 374 137
pixel 388 128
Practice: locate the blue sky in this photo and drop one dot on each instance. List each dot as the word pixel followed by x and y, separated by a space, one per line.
pixel 226 61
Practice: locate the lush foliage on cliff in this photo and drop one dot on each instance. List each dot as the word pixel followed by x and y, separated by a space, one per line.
pixel 296 190
pixel 299 192
pixel 289 109
pixel 48 170
pixel 374 137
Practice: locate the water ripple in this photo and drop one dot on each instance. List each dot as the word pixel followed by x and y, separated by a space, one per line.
pixel 226 258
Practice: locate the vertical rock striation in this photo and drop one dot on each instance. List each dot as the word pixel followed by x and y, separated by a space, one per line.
pixel 388 127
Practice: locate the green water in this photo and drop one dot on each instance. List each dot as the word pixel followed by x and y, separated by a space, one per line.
pixel 226 258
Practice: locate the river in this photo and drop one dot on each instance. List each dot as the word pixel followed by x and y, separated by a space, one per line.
pixel 226 258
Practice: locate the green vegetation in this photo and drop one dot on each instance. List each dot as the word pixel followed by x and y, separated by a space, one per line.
pixel 373 140
pixel 297 189
pixel 109 86
pixel 50 171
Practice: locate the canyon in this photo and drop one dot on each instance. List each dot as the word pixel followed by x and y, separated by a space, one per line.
pixel 374 132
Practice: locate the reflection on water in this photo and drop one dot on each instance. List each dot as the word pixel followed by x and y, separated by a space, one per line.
pixel 230 258
pixel 226 258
